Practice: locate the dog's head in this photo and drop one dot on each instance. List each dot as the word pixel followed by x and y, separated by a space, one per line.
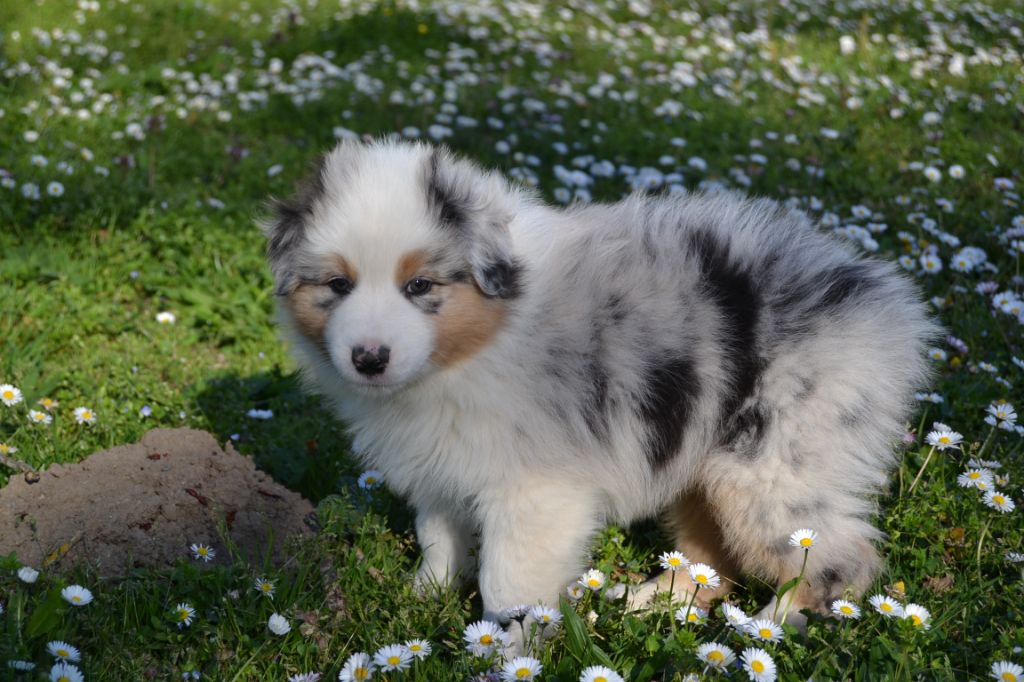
pixel 394 260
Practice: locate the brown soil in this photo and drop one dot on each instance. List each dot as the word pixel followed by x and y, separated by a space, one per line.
pixel 143 505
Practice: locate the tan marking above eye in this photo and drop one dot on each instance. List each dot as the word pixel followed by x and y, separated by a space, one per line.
pixel 411 264
pixel 466 323
pixel 345 269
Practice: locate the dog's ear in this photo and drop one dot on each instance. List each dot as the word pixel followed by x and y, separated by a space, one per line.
pixel 476 207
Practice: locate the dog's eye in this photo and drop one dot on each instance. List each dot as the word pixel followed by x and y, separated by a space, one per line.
pixel 342 286
pixel 418 286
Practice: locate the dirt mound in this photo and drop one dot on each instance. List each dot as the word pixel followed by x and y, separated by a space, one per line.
pixel 142 505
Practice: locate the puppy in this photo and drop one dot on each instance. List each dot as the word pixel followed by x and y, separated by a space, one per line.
pixel 529 374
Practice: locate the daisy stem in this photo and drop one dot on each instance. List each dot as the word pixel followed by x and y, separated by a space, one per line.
pixel 985 444
pixel 789 597
pixel 693 598
pixel 981 540
pixel 671 593
pixel 918 477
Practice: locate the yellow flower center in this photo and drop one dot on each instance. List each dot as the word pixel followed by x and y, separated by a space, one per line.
pixel 847 610
pixel 594 582
pixel 1008 677
pixel 885 606
pixel 486 640
pixel 63 653
pixel 9 395
pixel 999 499
pixel 522 673
pixel 393 660
pixel 944 440
pixel 765 633
pixel 86 414
pixel 716 656
pixel 806 542
pixel 370 480
pixel 63 678
pixel 702 579
pixel 545 618
pixel 265 587
pixel 415 647
pixel 691 617
pixel 600 678
pixel 674 561
pixel 916 620
pixel 361 673
pixel 974 474
pixel 76 598
pixel 757 666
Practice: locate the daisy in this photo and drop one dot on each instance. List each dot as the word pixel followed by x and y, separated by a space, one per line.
pixel 673 561
pixel 48 404
pixel 938 354
pixel 357 668
pixel 369 480
pixel 704 576
pixel 63 651
pixel 76 594
pixel 917 614
pixel 599 673
pixel 184 614
pixel 1002 411
pixel 972 477
pixel 38 417
pixel 83 415
pixel 10 395
pixel 1014 557
pixel 944 439
pixel 716 655
pixel 545 615
pixel 6 449
pixel 21 665
pixel 998 501
pixel 278 624
pixel 165 317
pixel 758 664
pixel 805 538
pixel 517 613
pixel 1004 671
pixel 204 552
pixel 27 574
pixel 264 587
pixel 691 614
pixel 765 630
pixel 930 263
pixel 392 657
pixel 418 648
pixel 735 616
pixel 305 677
pixel 845 609
pixel 593 579
pixel 520 668
pixel 482 637
pixel 887 606
pixel 575 591
pixel 65 672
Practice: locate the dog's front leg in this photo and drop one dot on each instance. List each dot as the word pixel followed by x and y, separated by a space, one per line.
pixel 535 535
pixel 445 540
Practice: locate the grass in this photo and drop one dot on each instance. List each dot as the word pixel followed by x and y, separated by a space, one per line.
pixel 169 225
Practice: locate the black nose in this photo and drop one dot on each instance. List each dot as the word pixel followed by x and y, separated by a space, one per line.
pixel 370 361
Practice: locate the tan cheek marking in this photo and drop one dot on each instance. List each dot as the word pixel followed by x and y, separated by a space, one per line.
pixel 466 323
pixel 411 264
pixel 309 317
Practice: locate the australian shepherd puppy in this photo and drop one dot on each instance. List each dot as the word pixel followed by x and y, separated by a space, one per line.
pixel 524 374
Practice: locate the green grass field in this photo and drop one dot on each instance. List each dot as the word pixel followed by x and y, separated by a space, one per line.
pixel 140 140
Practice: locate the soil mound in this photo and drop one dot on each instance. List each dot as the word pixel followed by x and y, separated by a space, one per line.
pixel 143 505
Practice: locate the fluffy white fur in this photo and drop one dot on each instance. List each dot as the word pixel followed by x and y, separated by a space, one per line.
pixel 710 358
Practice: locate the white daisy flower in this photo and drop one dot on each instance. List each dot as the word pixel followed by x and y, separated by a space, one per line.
pixel 166 317
pixel 545 615
pixel 673 561
pixel 944 439
pixel 357 668
pixel 999 501
pixel 593 579
pixel 65 672
pixel 21 665
pixel 1005 671
pixel 10 395
pixel 1014 557
pixel 482 637
pixel 845 609
pixel 758 664
pixel 37 417
pixel 76 595
pixel 716 655
pixel 765 629
pixel 278 624
pixel 264 587
pixel 735 616
pixel 575 591
pixel 369 480
pixel 938 354
pixel 517 613
pixel 305 677
pixel 805 538
pixel 418 648
pixel 184 613
pixel 973 477
pixel 83 415
pixel 55 189
pixel 599 673
pixel 263 415
pixel 917 614
pixel 520 668
pixel 703 575
pixel 887 606
pixel 691 614
pixel 63 651
pixel 204 552
pixel 6 449
pixel 27 574
pixel 392 657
